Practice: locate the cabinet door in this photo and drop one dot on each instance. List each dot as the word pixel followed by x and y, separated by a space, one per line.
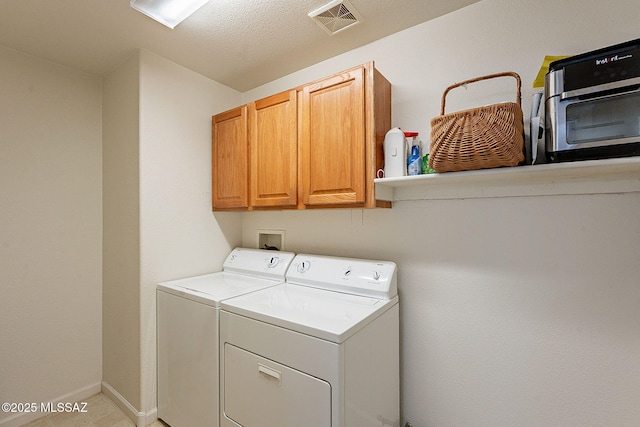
pixel 332 150
pixel 230 160
pixel 273 142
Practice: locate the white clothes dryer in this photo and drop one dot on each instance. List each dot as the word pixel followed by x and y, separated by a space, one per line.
pixel 320 350
pixel 188 333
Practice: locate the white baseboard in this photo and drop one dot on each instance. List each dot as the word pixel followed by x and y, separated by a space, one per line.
pixel 140 419
pixel 151 416
pixel 75 396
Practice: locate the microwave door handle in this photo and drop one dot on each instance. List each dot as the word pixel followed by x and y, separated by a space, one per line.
pixel 630 85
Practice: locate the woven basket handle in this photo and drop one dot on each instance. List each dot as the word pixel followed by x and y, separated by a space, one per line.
pixel 477 79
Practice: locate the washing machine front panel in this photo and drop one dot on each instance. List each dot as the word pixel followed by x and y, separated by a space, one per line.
pixel 187 334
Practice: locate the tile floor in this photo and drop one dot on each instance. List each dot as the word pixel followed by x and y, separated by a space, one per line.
pixel 101 412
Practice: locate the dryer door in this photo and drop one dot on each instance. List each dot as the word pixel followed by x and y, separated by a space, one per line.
pixel 260 392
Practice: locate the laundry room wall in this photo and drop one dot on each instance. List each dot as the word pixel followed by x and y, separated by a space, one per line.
pixel 121 235
pixel 50 232
pixel 180 236
pixel 158 219
pixel 517 310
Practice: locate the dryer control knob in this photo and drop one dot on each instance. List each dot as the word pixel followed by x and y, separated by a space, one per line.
pixel 304 266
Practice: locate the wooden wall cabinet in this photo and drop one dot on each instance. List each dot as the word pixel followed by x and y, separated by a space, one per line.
pixel 273 130
pixel 254 155
pixel 343 124
pixel 315 146
pixel 229 155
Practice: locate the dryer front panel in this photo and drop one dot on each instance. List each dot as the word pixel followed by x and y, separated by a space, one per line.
pixel 260 392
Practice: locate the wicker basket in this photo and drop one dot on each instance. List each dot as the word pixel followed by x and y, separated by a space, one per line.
pixel 479 138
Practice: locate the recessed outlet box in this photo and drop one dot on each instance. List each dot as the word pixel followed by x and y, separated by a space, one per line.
pixel 271 239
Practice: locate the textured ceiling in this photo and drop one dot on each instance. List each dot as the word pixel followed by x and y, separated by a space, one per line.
pixel 239 43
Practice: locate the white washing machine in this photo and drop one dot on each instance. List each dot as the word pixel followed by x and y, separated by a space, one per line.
pixel 188 332
pixel 321 350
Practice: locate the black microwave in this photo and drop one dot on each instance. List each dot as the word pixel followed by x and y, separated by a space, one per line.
pixel 592 104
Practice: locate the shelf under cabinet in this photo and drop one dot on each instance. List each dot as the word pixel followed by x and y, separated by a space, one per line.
pixel 621 175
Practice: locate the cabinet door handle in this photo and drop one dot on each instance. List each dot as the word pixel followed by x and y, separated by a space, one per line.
pixel 270 372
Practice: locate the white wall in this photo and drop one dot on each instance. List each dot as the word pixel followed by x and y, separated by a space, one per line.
pixel 121 232
pixel 514 311
pixel 158 223
pixel 50 232
pixel 179 234
pixel 158 220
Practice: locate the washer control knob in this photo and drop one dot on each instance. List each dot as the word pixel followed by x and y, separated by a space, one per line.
pixel 376 275
pixel 273 262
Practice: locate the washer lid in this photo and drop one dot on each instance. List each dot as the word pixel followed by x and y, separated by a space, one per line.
pixel 214 287
pixel 329 315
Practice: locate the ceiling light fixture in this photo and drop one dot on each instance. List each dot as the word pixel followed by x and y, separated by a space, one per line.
pixel 167 12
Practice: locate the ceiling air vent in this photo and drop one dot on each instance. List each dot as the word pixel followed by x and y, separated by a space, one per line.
pixel 336 16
